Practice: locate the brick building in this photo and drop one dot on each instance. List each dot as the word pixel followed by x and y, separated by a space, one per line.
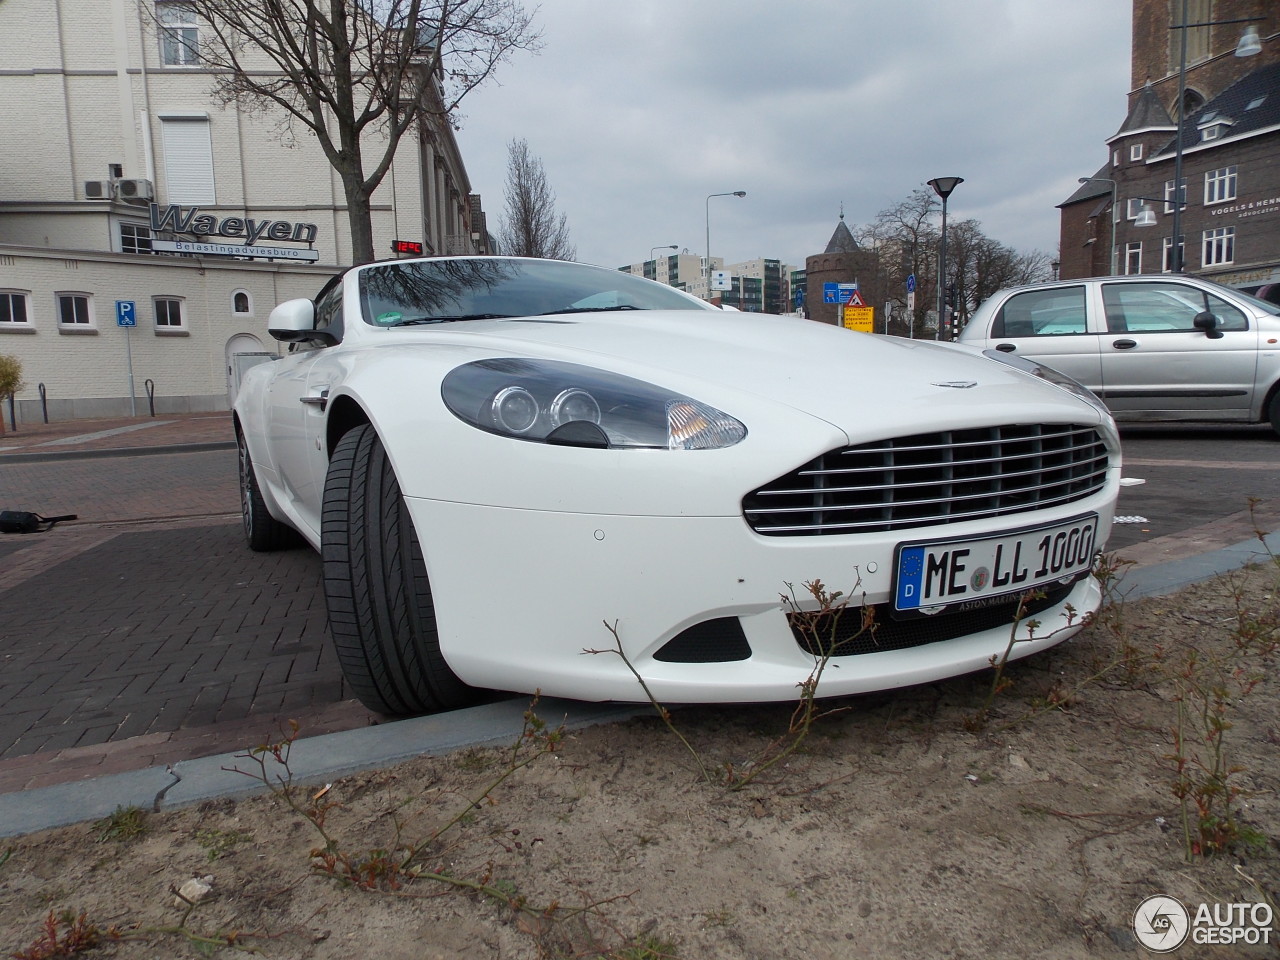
pixel 1121 219
pixel 126 181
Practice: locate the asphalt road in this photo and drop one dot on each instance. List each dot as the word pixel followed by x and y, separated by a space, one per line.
pixel 145 632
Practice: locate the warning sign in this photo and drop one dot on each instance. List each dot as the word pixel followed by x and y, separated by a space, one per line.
pixel 858 317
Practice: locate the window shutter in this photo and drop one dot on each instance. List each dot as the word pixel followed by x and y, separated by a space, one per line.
pixel 188 161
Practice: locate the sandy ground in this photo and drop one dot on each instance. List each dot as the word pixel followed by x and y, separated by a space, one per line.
pixel 902 827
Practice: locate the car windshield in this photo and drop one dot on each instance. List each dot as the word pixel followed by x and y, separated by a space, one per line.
pixel 413 292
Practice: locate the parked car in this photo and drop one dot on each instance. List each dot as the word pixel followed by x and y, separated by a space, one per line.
pixel 1152 347
pixel 506 462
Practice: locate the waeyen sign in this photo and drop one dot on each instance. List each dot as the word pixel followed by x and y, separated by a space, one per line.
pixel 216 234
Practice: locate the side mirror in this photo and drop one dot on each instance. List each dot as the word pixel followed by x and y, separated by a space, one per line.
pixel 294 321
pixel 1209 324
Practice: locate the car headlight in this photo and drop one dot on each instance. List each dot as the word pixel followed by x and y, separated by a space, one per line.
pixel 549 401
pixel 1049 374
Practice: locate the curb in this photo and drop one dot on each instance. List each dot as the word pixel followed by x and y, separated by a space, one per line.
pixel 117 452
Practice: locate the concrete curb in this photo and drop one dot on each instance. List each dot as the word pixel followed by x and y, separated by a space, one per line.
pixel 333 755
pixel 312 760
pixel 116 452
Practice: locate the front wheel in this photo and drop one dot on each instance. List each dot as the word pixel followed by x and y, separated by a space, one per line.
pixel 375 583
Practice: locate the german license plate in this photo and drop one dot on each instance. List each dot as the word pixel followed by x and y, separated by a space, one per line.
pixel 940 572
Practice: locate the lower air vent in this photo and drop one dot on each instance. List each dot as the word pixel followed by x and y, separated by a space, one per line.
pixel 712 641
pixel 845 636
pixel 932 478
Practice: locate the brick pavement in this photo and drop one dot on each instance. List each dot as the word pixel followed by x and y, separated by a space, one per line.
pixel 145 632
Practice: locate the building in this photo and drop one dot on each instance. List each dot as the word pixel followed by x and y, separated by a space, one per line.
pixel 1121 219
pixel 755 286
pixel 127 183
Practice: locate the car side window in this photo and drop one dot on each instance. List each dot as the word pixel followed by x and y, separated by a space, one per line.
pixel 329 311
pixel 1042 313
pixel 1165 308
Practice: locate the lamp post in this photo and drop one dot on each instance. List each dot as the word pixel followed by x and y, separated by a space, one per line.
pixel 1114 213
pixel 943 186
pixel 668 246
pixel 1248 46
pixel 733 193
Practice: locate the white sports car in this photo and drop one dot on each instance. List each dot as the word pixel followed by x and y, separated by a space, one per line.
pixel 504 461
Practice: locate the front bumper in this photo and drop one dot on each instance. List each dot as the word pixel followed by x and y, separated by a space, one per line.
pixel 520 595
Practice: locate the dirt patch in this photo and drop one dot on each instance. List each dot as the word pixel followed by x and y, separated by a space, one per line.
pixel 900 829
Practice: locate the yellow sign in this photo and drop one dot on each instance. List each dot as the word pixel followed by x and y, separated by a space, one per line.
pixel 859 318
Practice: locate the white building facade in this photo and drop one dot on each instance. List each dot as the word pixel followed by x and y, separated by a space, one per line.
pixel 125 181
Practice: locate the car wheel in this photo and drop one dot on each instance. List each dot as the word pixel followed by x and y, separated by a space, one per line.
pixel 375 581
pixel 1274 412
pixel 262 531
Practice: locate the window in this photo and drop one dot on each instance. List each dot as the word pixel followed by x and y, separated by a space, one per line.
pixel 75 313
pixel 242 303
pixel 14 315
pixel 1133 258
pixel 1220 185
pixel 135 238
pixel 179 34
pixel 1168 195
pixel 1219 246
pixel 1166 259
pixel 1042 313
pixel 329 311
pixel 170 317
pixel 1135 151
pixel 1133 207
pixel 1161 307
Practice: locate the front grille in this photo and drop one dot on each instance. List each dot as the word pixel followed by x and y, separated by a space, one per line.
pixel 932 478
pixel 849 634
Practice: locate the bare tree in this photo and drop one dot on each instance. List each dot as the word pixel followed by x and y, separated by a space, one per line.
pixel 358 73
pixel 532 227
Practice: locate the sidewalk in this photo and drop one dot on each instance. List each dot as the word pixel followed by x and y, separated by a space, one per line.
pixel 120 434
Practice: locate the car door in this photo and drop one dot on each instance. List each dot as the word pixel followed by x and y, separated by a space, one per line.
pixel 1156 360
pixel 1050 326
pixel 299 399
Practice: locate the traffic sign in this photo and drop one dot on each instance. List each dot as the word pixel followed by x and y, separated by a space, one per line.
pixel 126 313
pixel 911 283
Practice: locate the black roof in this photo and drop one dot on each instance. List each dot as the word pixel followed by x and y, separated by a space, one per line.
pixel 1251 103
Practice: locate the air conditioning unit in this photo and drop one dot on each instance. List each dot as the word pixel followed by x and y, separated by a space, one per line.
pixel 135 189
pixel 99 189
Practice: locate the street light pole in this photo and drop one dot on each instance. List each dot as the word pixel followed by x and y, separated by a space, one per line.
pixel 943 186
pixel 667 246
pixel 733 193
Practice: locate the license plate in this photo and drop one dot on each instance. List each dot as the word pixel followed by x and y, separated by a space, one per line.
pixel 963 571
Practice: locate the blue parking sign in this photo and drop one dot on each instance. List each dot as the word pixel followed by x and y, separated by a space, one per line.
pixel 126 313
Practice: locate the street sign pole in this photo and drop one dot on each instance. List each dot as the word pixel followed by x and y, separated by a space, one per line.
pixel 127 317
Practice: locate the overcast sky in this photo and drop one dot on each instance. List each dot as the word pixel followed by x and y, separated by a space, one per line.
pixel 639 109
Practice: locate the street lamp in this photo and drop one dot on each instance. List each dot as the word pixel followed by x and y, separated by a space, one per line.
pixel 943 186
pixel 669 246
pixel 1114 213
pixel 1248 46
pixel 735 193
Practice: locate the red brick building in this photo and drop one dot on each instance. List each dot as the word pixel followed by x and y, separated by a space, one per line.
pixel 1121 218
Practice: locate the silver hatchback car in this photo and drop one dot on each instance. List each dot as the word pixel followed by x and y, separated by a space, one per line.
pixel 1157 347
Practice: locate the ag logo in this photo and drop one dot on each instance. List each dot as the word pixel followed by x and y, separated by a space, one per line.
pixel 1161 924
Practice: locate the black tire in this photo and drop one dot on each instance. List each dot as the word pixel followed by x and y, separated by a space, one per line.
pixel 375 585
pixel 1273 411
pixel 262 531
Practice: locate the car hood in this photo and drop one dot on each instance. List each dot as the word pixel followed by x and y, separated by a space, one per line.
pixel 838 375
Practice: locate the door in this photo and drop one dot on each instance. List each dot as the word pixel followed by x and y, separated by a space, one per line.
pixel 1051 327
pixel 1156 360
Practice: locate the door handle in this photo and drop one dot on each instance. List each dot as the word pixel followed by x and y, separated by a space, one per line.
pixel 1006 347
pixel 320 401
pixel 1124 344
